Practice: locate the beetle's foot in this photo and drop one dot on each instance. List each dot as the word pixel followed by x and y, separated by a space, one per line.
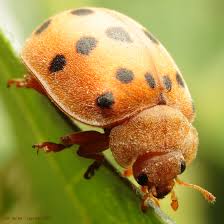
pixel 17 82
pixel 49 147
pixel 127 172
pixel 90 172
pixel 144 206
pixel 149 195
pixel 28 81
pixel 174 201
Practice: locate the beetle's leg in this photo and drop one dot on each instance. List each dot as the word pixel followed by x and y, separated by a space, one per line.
pixel 79 138
pixel 29 81
pixel 127 172
pixel 144 207
pixel 92 143
pixel 85 137
pixel 49 147
pixel 149 195
pixel 153 194
pixel 92 151
pixel 174 201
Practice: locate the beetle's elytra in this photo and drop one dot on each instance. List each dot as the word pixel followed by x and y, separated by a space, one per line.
pixel 104 69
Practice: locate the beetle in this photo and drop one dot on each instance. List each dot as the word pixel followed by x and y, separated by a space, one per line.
pixel 102 68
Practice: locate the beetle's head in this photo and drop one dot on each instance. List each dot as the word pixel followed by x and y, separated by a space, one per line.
pixel 159 170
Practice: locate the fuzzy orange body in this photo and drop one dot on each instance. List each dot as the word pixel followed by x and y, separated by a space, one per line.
pixel 104 69
pixel 81 55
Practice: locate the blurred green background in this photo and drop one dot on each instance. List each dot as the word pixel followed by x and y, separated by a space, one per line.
pixel 192 31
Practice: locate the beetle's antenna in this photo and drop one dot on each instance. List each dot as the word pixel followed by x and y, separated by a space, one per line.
pixel 207 195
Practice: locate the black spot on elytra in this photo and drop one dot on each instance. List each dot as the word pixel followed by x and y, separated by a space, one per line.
pixel 57 63
pixel 150 80
pixel 179 80
pixel 167 83
pixel 118 33
pixel 124 75
pixel 82 12
pixel 85 45
pixel 105 100
pixel 151 37
pixel 43 27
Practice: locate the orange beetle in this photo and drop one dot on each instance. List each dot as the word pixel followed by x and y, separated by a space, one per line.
pixel 104 69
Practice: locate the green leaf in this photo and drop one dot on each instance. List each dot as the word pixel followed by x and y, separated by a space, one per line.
pixel 58 188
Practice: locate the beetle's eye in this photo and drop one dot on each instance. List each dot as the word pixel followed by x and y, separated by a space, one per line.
pixel 142 179
pixel 182 166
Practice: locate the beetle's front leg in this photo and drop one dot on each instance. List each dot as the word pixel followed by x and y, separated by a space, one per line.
pixel 49 147
pixel 92 144
pixel 29 81
pixel 149 194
